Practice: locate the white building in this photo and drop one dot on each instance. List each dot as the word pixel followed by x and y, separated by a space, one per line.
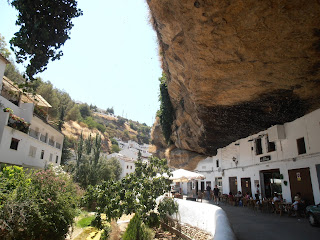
pixel 129 154
pixel 26 138
pixel 283 159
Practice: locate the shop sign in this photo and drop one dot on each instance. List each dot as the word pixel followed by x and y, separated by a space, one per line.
pixel 298 176
pixel 265 158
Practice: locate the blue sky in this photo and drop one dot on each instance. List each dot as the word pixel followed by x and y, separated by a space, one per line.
pixel 111 59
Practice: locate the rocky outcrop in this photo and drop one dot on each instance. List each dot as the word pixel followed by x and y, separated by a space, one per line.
pixel 237 67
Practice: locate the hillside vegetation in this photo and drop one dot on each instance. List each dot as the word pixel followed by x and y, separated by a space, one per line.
pixel 72 118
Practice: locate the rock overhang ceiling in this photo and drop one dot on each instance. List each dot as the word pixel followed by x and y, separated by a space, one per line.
pixel 235 68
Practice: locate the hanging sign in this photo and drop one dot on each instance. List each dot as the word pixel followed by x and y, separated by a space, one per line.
pixel 298 176
pixel 247 184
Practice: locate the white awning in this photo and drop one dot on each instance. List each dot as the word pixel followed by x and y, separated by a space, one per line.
pixel 182 175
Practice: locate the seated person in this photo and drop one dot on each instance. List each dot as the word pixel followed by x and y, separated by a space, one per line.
pixel 247 196
pixel 275 198
pixel 239 194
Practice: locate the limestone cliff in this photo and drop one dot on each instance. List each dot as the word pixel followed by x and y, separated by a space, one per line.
pixel 236 67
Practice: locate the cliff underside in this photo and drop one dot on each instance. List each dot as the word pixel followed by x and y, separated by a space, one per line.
pixel 235 68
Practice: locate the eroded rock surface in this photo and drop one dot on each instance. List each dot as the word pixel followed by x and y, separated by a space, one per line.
pixel 237 67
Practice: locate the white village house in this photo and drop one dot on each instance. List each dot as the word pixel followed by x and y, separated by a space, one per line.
pixel 26 138
pixel 283 159
pixel 129 154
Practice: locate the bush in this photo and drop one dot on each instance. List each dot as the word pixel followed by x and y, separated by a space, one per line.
pixel 136 230
pixel 40 205
pixel 167 206
pixel 115 148
pixel 106 232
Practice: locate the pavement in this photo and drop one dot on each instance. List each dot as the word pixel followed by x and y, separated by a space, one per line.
pixel 251 225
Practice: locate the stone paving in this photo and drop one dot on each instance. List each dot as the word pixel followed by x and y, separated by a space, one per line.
pixel 251 225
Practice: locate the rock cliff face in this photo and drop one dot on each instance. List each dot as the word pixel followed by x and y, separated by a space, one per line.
pixel 236 67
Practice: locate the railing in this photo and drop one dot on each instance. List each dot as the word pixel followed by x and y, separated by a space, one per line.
pixel 58 145
pixel 51 142
pixel 34 134
pixel 43 138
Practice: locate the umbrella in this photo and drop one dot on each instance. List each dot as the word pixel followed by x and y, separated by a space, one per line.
pixel 182 175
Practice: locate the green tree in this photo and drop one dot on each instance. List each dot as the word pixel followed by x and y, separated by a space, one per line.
pixel 44 28
pixel 115 148
pixel 66 152
pixel 166 112
pixel 13 74
pixel 135 193
pixel 84 110
pixel 110 110
pixel 115 166
pixel 3 47
pixel 74 113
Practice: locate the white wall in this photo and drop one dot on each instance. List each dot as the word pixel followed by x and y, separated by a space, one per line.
pixel 21 155
pixel 207 217
pixel 284 158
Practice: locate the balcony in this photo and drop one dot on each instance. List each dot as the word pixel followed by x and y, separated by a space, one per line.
pixel 16 122
pixel 43 138
pixel 51 142
pixel 34 134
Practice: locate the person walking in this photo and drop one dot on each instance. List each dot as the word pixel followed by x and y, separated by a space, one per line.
pixel 216 191
pixel 208 192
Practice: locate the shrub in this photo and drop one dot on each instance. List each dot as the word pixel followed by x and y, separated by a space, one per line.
pixel 42 206
pixel 115 148
pixel 136 230
pixel 167 206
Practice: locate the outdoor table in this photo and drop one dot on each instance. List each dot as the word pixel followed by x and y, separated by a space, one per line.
pixel 286 206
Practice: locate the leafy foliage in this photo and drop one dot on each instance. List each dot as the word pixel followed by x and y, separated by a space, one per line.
pixel 136 230
pixel 3 47
pixel 136 193
pixel 45 26
pixel 91 169
pixel 167 206
pixel 166 112
pixel 39 205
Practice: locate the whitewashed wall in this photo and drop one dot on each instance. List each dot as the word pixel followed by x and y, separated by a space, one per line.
pixel 285 157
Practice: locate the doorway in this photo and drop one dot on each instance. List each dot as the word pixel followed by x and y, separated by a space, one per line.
pixel 233 185
pixel 271 182
pixel 300 181
pixel 246 186
pixel 218 182
pixel 202 186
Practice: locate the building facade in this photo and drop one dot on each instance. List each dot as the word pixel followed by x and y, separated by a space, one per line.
pixel 283 159
pixel 26 138
pixel 129 154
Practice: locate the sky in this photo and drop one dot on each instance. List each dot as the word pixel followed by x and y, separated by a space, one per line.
pixel 111 59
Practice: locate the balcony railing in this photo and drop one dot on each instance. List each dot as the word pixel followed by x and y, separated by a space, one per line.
pixel 58 145
pixel 43 138
pixel 51 142
pixel 34 134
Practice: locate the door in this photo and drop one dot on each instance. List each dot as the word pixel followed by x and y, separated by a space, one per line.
pixel 300 181
pixel 233 185
pixel 246 185
pixel 197 187
pixel 202 186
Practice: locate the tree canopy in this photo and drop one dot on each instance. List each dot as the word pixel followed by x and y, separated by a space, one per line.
pixel 45 27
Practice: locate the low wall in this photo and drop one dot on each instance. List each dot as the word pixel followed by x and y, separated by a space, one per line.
pixel 207 217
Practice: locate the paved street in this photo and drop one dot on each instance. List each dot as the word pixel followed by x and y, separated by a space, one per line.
pixel 250 225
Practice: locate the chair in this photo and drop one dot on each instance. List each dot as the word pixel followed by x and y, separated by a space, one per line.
pixel 278 208
pixel 244 202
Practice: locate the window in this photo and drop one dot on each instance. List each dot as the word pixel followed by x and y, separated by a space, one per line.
pixel 14 143
pixel 301 146
pixel 57 159
pixel 258 146
pixel 50 158
pixel 42 154
pixel 127 166
pixel 217 163
pixel 271 146
pixel 32 151
pixel 130 167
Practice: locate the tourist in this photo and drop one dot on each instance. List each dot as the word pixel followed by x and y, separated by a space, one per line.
pixel 257 195
pixel 216 194
pixel 275 198
pixel 295 205
pixel 208 191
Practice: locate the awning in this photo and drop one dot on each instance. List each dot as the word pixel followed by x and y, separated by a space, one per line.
pixel 182 175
